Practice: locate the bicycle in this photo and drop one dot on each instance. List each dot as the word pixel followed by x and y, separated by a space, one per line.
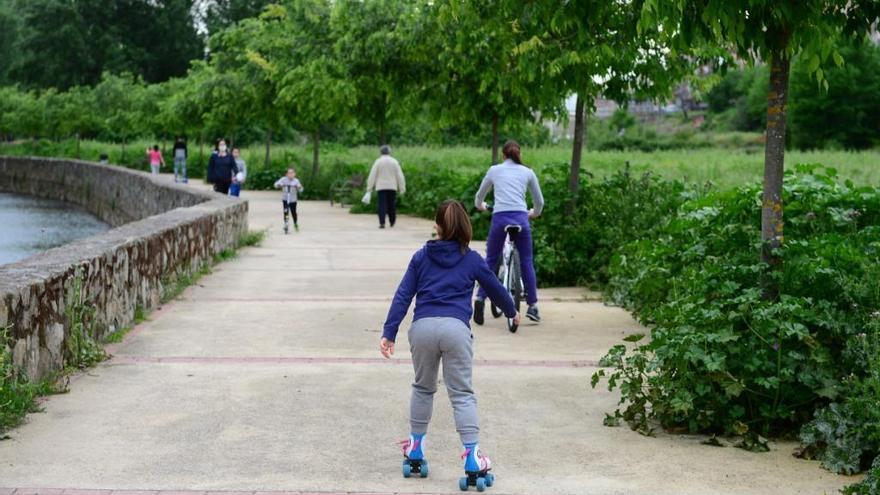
pixel 509 271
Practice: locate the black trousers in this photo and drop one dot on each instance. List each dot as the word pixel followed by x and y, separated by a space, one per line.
pixel 222 187
pixel 291 206
pixel 387 204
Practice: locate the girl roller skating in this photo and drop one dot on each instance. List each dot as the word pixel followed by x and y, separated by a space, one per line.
pixel 441 277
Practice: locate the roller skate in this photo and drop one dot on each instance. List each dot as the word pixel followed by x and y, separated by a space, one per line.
pixel 286 227
pixel 476 467
pixel 414 461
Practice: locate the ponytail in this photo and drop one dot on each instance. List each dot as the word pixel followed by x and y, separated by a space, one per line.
pixel 511 151
pixel 454 223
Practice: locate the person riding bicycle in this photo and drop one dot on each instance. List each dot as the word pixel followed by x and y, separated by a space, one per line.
pixel 511 179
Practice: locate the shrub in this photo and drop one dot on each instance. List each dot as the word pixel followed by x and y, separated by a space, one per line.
pixel 721 358
pixel 576 247
pixel 570 248
pixel 17 395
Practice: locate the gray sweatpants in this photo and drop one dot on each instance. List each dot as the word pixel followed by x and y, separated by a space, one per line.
pixel 432 340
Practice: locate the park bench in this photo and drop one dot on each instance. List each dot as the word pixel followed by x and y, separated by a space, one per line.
pixel 342 189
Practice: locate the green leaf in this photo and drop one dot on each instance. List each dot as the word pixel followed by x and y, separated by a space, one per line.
pixel 634 337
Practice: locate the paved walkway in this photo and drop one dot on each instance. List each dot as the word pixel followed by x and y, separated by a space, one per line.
pixel 266 376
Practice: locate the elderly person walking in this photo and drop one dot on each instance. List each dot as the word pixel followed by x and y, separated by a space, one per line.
pixel 386 178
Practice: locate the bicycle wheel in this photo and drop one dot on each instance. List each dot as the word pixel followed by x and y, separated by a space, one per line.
pixel 514 286
pixel 496 311
pixel 500 273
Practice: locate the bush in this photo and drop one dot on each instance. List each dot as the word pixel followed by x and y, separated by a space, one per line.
pixel 723 359
pixel 576 247
pixel 17 395
pixel 570 248
pixel 845 114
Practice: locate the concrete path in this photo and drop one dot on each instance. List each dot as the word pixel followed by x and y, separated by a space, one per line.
pixel 266 376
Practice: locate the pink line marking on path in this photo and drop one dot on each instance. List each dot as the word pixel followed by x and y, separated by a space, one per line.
pixel 513 363
pixel 74 491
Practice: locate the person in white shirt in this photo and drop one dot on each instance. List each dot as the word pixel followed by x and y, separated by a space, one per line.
pixel 386 178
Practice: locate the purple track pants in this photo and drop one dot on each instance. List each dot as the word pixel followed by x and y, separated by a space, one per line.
pixel 523 242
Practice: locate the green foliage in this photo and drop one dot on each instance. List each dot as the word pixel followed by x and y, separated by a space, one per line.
pixel 739 101
pixel 721 358
pixel 17 395
pixel 868 486
pixel 846 434
pixel 83 351
pixel 763 29
pixel 843 115
pixel 726 160
pixel 221 14
pixel 9 34
pixel 608 213
pixel 569 249
pixel 60 44
pixel 252 238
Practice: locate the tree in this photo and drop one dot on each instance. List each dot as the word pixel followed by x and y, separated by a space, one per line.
pixel 219 91
pixel 9 33
pixel 77 114
pixel 28 115
pixel 64 43
pixel 255 47
pixel 53 54
pixel 168 43
pixel 117 99
pixel 592 48
pixel 481 77
pixel 372 41
pixel 846 114
pixel 774 31
pixel 221 14
pixel 314 85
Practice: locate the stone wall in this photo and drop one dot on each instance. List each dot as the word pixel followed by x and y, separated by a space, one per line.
pixel 163 230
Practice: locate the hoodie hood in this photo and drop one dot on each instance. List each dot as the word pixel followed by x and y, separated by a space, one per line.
pixel 445 253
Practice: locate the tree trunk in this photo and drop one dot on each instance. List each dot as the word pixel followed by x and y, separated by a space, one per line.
pixel 268 146
pixel 316 143
pixel 574 177
pixel 494 138
pixel 774 159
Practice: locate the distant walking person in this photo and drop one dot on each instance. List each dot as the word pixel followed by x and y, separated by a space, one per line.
pixel 156 159
pixel 290 188
pixel 179 153
pixel 238 179
pixel 386 178
pixel 221 168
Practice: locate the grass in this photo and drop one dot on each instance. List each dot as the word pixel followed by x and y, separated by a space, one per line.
pixel 119 335
pixel 18 397
pixel 252 238
pixel 724 164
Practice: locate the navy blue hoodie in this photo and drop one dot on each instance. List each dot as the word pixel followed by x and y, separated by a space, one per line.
pixel 441 277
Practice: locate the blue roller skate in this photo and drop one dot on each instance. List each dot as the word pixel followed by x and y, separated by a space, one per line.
pixel 414 461
pixel 476 467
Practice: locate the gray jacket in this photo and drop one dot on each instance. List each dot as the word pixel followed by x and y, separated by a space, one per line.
pixel 290 189
pixel 510 181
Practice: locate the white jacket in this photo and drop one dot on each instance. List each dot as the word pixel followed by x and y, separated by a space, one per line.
pixel 386 174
